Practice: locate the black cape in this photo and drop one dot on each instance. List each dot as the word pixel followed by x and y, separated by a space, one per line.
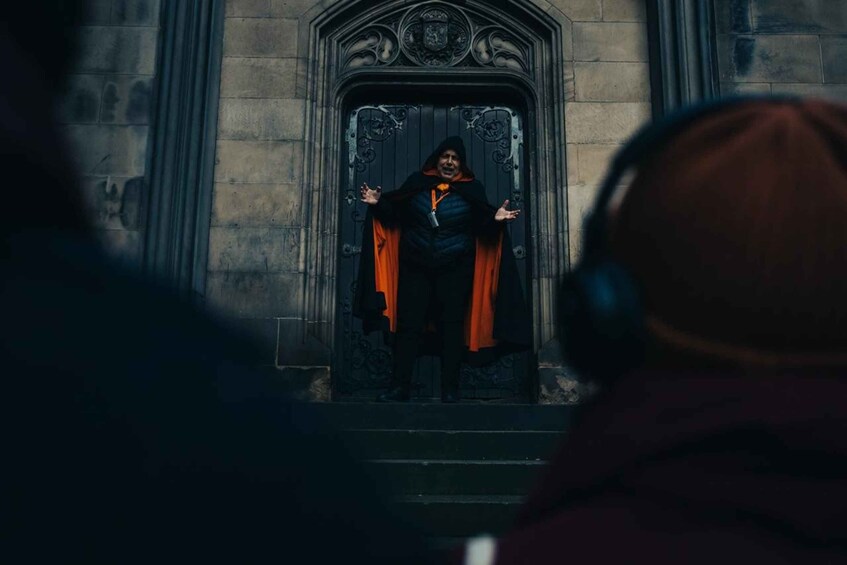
pixel 511 315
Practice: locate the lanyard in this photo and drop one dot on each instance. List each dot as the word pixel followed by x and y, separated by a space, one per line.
pixel 440 198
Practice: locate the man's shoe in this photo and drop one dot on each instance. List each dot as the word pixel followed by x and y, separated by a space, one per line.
pixel 394 394
pixel 450 397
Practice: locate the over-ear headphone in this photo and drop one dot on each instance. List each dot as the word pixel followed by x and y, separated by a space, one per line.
pixel 601 315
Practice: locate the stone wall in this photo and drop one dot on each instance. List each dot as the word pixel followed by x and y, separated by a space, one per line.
pixel 256 262
pixel 255 269
pixel 106 115
pixel 796 47
pixel 610 98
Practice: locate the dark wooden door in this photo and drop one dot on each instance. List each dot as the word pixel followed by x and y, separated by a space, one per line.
pixel 384 143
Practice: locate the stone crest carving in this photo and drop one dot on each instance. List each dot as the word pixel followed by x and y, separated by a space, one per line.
pixel 435 35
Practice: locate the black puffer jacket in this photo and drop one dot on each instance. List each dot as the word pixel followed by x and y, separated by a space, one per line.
pixel 450 242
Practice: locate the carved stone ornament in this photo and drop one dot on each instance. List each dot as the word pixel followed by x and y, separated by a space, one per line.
pixel 496 47
pixel 375 45
pixel 435 35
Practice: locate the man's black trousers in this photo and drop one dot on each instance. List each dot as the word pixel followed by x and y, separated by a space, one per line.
pixel 440 294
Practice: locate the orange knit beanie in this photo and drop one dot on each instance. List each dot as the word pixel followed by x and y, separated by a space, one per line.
pixel 737 232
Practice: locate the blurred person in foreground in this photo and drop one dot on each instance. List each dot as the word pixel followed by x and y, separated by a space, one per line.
pixel 133 429
pixel 711 303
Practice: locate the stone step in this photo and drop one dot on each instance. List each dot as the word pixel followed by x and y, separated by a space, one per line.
pixel 404 477
pixel 436 416
pixel 483 445
pixel 458 516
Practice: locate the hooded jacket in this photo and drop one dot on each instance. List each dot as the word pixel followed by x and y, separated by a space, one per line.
pixel 497 320
pixel 695 468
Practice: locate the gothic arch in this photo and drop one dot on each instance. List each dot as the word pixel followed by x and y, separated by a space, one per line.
pixel 358 44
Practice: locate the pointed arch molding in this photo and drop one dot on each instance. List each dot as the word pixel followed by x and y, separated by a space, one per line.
pixel 182 149
pixel 511 48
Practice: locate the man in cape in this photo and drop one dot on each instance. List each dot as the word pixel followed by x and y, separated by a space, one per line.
pixel 433 259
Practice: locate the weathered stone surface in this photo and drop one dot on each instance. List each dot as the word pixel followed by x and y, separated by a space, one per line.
pixel 123 246
pixel 799 16
pixel 259 161
pixel 80 103
pixel 612 82
pixel 121 50
pixel 594 162
pixel 733 16
pixel 548 243
pixel 135 12
pixel 550 354
pixel 836 92
pixel 267 250
pixel 258 78
pixel 731 88
pixel 256 205
pixel 95 12
pixel 834 54
pixel 573 163
pixel 581 198
pixel 604 122
pixel 297 348
pixel 261 119
pixel 248 8
pixel 127 100
pixel 769 58
pixel 624 10
pixel 255 295
pixel 560 385
pixel 108 149
pixel 567 40
pixel 610 41
pixel 570 82
pixel 306 384
pixel 580 10
pixel 260 37
pixel 294 8
pixel 262 334
pixel 113 203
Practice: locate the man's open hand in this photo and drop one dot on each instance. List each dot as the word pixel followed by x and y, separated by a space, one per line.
pixel 503 214
pixel 369 195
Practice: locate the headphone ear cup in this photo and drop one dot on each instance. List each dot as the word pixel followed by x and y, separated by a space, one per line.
pixel 601 319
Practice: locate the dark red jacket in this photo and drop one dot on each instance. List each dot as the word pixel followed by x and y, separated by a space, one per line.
pixel 697 468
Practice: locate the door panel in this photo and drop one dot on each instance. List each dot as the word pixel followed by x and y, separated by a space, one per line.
pixel 384 143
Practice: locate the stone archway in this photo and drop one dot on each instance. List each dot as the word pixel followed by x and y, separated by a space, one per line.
pixel 515 46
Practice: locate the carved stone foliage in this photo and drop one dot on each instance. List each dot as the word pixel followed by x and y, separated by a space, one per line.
pixel 436 35
pixel 496 47
pixel 376 45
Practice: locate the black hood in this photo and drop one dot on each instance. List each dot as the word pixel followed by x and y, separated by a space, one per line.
pixel 456 144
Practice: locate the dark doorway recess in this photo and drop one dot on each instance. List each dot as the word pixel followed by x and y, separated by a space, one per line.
pixel 385 140
pixel 479 54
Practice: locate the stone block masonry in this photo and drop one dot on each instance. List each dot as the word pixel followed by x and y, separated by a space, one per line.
pixel 255 271
pixel 611 96
pixel 105 115
pixel 796 47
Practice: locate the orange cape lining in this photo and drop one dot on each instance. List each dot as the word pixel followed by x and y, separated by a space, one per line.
pixel 479 319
